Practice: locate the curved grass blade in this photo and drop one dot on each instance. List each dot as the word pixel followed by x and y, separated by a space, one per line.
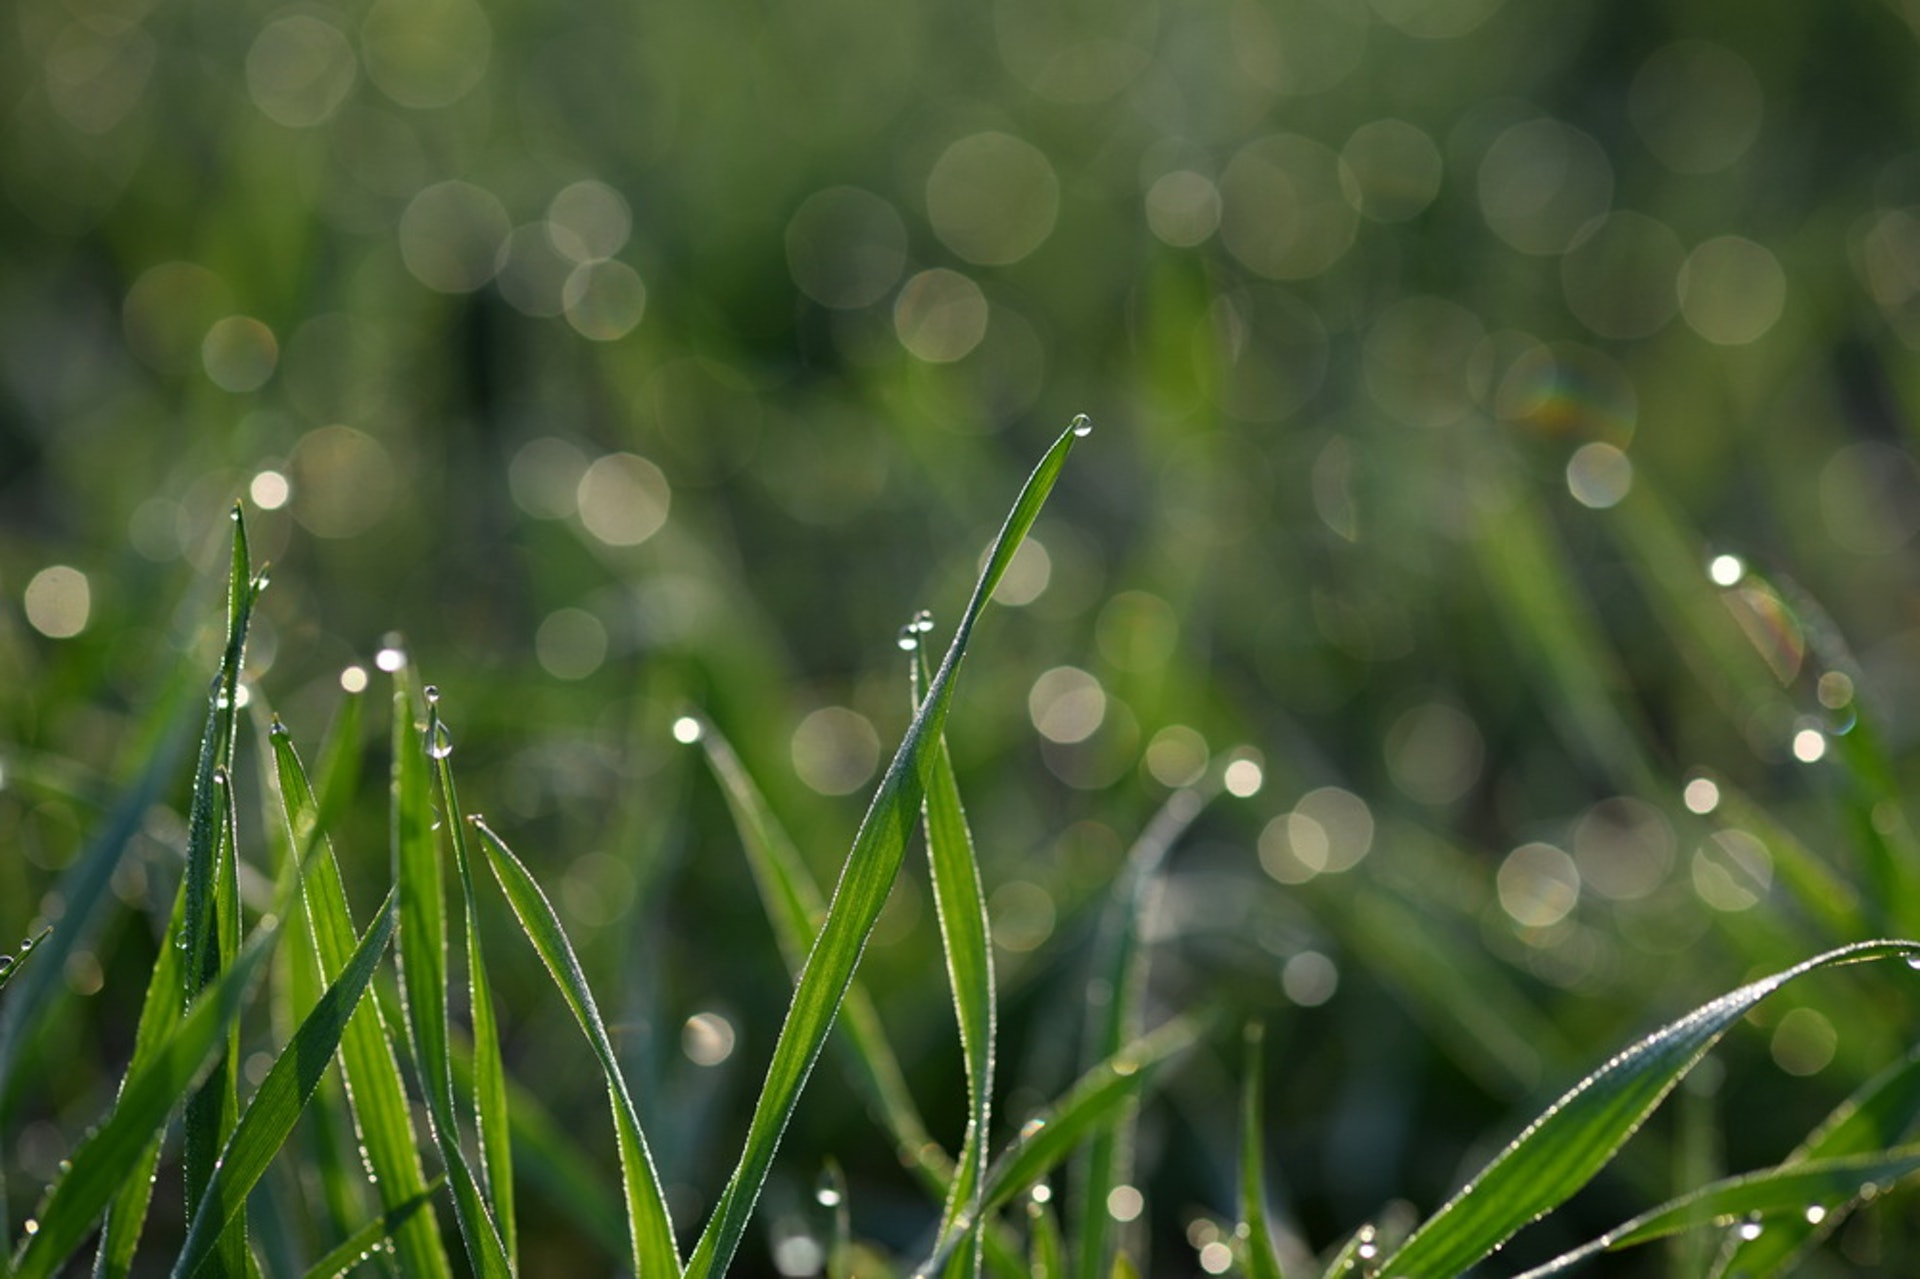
pixel 282 1095
pixel 1800 1191
pixel 1877 1115
pixel 1562 1149
pixel 1120 973
pixel 1097 1100
pixel 1261 1260
pixel 99 1167
pixel 373 1084
pixel 961 906
pixel 795 906
pixel 376 1234
pixel 423 969
pixel 649 1226
pixel 865 881
pixel 491 1114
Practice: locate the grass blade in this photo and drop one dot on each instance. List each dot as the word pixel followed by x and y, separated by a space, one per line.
pixel 1096 1101
pixel 865 881
pixel 423 969
pixel 282 1095
pixel 649 1226
pixel 99 1166
pixel 961 906
pixel 1792 1192
pixel 1262 1262
pixel 795 906
pixel 491 1113
pixel 1120 975
pixel 378 1096
pixel 360 1245
pixel 1562 1149
pixel 1048 1253
pixel 10 965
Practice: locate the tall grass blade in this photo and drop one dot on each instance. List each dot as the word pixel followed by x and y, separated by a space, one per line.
pixel 1800 1192
pixel 865 881
pixel 1097 1100
pixel 378 1099
pixel 375 1235
pixel 961 906
pixel 10 965
pixel 491 1112
pixel 1874 1118
pixel 1116 998
pixel 795 906
pixel 100 1165
pixel 423 969
pixel 1562 1149
pixel 1262 1261
pixel 281 1096
pixel 649 1226
pixel 1047 1252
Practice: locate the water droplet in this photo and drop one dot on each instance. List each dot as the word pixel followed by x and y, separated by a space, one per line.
pixel 909 639
pixel 922 621
pixel 219 777
pixel 1082 425
pixel 432 693
pixel 261 580
pixel 32 1227
pixel 1750 1229
pixel 390 659
pixel 1031 1128
pixel 222 701
pixel 1816 1213
pixel 6 962
pixel 439 740
pixel 1913 962
pixel 1041 1192
pixel 828 1195
pixel 687 730
pixel 26 945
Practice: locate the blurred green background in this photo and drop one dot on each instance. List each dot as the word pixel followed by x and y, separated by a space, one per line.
pixel 1503 448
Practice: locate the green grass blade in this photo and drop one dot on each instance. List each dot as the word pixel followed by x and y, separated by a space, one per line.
pixel 10 965
pixel 214 1108
pixel 491 1112
pixel 1120 971
pixel 99 1166
pixel 795 906
pixel 1786 1193
pixel 961 907
pixel 1562 1149
pixel 865 881
pixel 1097 1100
pixel 362 1243
pixel 1262 1262
pixel 379 1100
pixel 649 1226
pixel 1873 1118
pixel 423 968
pixel 281 1096
pixel 1046 1250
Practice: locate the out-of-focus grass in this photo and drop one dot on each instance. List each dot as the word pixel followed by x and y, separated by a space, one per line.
pixel 1439 349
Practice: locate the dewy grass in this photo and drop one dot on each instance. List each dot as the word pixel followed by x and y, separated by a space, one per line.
pixel 188 1043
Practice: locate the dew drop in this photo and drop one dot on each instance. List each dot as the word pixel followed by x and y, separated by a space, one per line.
pixel 439 740
pixel 1082 425
pixel 26 945
pixel 1816 1213
pixel 828 1195
pixel 6 962
pixel 32 1227
pixel 277 728
pixel 687 730
pixel 922 621
pixel 432 693
pixel 219 777
pixel 1913 962
pixel 1749 1229
pixel 909 639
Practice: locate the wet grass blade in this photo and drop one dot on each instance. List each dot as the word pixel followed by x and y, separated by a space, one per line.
pixel 961 906
pixel 1261 1261
pixel 423 969
pixel 795 906
pixel 865 881
pixel 362 1243
pixel 10 965
pixel 491 1112
pixel 281 1096
pixel 649 1226
pixel 1116 996
pixel 99 1166
pixel 1560 1151
pixel 1096 1101
pixel 1797 1192
pixel 372 1075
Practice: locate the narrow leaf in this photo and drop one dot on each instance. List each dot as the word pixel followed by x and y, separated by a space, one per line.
pixel 649 1226
pixel 1562 1149
pixel 362 1243
pixel 281 1096
pixel 865 881
pixel 1798 1191
pixel 1261 1260
pixel 378 1095
pixel 12 964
